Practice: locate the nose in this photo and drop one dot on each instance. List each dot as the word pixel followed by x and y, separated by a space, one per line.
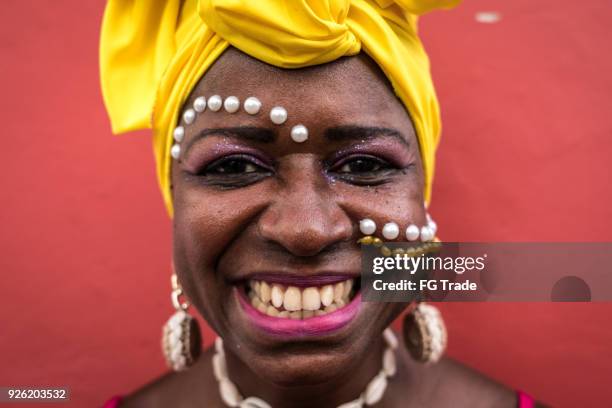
pixel 305 218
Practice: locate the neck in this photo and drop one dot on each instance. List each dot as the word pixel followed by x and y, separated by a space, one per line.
pixel 344 387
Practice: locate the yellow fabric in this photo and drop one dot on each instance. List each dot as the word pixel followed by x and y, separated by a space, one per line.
pixel 153 52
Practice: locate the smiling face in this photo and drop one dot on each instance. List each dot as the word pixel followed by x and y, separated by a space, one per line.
pixel 261 219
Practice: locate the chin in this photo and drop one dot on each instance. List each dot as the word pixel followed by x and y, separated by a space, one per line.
pixel 303 369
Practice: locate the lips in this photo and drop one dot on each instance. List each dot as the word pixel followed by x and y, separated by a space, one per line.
pixel 299 305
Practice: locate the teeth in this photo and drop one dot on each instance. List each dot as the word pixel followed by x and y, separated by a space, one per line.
pixel 262 307
pixel 264 292
pixel 331 308
pixel 255 302
pixel 295 303
pixel 277 295
pixel 338 291
pixel 348 285
pixel 272 311
pixel 327 295
pixel 293 299
pixel 311 299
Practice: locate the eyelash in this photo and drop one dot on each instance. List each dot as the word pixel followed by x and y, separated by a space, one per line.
pixel 381 172
pixel 252 170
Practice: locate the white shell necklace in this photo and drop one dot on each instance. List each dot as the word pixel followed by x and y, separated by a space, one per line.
pixel 373 393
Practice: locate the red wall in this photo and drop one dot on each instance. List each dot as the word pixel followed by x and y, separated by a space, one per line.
pixel 525 157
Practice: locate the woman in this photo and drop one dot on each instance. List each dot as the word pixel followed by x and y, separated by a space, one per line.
pixel 284 133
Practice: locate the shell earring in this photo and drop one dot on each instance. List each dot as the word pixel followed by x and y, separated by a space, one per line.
pixel 181 338
pixel 425 333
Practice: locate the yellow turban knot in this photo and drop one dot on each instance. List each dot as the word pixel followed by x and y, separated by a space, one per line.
pixel 153 53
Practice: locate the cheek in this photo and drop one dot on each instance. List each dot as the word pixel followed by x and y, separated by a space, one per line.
pixel 400 202
pixel 206 221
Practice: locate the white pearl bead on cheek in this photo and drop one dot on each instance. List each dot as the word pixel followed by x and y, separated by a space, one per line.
pixel 252 105
pixel 278 115
pixel 426 234
pixel 367 226
pixel 199 104
pixel 412 232
pixel 390 230
pixel 214 103
pixel 433 226
pixel 299 133
pixel 175 151
pixel 189 116
pixel 179 134
pixel 231 104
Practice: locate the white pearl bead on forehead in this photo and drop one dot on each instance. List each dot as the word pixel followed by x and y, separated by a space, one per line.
pixel 231 104
pixel 252 105
pixel 278 115
pixel 214 103
pixel 199 105
pixel 299 133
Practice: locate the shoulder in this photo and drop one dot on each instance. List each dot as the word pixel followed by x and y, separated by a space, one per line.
pixel 455 384
pixel 451 383
pixel 179 389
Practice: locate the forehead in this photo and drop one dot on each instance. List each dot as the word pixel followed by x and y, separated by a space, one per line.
pixel 350 87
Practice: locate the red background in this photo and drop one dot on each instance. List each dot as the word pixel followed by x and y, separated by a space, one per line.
pixel 86 242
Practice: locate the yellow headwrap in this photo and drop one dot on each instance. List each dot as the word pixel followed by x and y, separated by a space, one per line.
pixel 153 53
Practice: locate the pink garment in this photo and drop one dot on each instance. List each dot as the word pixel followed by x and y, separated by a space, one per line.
pixel 524 401
pixel 112 403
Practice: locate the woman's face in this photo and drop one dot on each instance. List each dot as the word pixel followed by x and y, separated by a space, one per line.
pixel 252 205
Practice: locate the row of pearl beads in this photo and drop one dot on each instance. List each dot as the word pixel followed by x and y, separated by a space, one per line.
pixel 391 230
pixel 251 105
pixel 372 394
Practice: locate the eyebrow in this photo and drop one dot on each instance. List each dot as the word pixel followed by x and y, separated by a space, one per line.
pixel 264 135
pixel 252 133
pixel 347 133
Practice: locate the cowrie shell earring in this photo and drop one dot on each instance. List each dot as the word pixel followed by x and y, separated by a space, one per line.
pixel 425 333
pixel 181 338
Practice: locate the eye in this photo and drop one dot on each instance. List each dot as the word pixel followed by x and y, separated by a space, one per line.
pixel 233 166
pixel 365 170
pixel 362 164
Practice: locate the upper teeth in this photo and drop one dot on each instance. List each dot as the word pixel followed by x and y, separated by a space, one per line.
pixel 297 303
